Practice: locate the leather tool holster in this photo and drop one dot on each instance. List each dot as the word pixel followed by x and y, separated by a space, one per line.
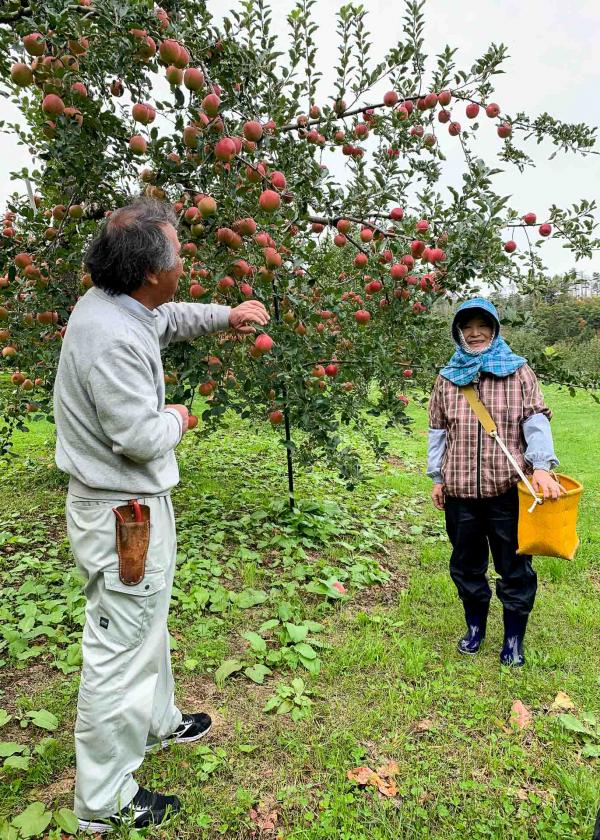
pixel 133 539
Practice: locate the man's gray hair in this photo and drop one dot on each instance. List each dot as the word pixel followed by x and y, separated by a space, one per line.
pixel 131 244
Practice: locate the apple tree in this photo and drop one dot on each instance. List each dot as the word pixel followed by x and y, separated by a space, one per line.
pixel 327 205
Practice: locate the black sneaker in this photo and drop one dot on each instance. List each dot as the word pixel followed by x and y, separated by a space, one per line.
pixel 191 728
pixel 146 808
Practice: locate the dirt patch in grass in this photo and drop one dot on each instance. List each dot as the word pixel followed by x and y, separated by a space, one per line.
pixel 64 784
pixel 27 682
pixel 594 578
pixel 393 461
pixel 382 595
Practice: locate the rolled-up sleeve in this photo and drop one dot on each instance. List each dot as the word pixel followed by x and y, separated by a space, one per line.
pixel 122 389
pixel 186 321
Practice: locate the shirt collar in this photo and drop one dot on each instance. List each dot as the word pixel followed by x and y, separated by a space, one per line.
pixel 130 304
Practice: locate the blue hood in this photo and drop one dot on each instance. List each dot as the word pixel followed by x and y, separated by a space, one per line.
pixel 475 303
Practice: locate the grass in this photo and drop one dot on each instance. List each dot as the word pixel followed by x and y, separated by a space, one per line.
pixel 390 684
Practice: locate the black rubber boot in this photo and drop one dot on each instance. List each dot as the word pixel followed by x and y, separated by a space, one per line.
pixel 597 829
pixel 514 632
pixel 476 617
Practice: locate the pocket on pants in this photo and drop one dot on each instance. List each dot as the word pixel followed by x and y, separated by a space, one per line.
pixel 125 612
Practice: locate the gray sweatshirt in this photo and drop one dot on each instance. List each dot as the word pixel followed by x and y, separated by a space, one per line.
pixel 114 436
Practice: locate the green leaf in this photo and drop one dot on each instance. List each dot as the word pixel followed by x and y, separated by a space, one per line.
pixel 297 632
pixel 305 650
pixel 285 707
pixel 313 666
pixel 10 748
pixel 226 669
pixel 44 719
pixel 572 723
pixel 284 611
pixel 257 643
pixel 298 685
pixel 66 819
pixel 17 762
pixel 268 625
pixel 34 819
pixel 257 673
pixel 250 598
pixel 4 717
pixel 271 703
pixel 591 751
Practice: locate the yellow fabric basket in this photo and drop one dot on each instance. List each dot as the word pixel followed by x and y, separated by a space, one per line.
pixel 550 530
pixel 547 528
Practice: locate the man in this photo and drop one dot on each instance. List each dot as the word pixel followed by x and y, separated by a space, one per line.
pixel 116 440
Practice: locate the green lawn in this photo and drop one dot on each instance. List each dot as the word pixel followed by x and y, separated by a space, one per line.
pixel 379 666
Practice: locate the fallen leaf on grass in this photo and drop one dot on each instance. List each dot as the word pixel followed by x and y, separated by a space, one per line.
pixel 520 715
pixel 562 703
pixel 264 817
pixel 423 725
pixel 382 779
pixel 523 794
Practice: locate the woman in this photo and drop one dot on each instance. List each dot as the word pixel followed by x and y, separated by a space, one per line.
pixel 473 481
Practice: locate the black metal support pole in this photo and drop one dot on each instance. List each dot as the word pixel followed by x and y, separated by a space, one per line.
pixel 286 416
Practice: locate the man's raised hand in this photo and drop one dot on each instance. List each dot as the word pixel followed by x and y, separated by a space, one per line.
pixel 243 317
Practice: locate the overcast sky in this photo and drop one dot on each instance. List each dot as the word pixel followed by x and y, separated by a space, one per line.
pixel 554 66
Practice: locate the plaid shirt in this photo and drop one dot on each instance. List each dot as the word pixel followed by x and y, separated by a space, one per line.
pixel 474 466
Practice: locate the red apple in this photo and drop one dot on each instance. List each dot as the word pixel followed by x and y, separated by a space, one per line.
pixel 398 271
pixel 263 343
pixel 272 258
pixel 278 180
pixel 510 246
pixel 390 98
pixel 270 200
pixel 444 97
pixel 53 105
pixel 169 51
pixel 362 316
pixel 207 206
pixel 21 74
pixel 492 110
pixel 225 149
pixel 193 78
pixel 34 44
pixel 454 129
pixel 211 105
pixel 225 283
pixel 276 417
pixel 253 130
pixel 529 218
pixel 138 145
pixel 545 229
pixel 174 75
pixel 504 130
